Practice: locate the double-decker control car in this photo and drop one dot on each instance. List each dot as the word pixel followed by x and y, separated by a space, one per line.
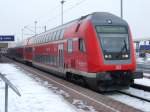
pixel 96 49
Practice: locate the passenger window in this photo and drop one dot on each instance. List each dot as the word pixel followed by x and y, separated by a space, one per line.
pixel 54 33
pixel 70 45
pixel 50 36
pixel 50 59
pixel 44 39
pixel 57 35
pixel 40 40
pixel 34 41
pixel 61 34
pixel 81 45
pixel 55 38
pixel 47 36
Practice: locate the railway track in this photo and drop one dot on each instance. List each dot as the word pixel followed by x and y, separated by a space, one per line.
pixel 133 97
pixel 100 102
pixel 144 68
pixel 146 99
pixel 141 87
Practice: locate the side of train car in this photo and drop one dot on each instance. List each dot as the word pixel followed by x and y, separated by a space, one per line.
pixel 96 49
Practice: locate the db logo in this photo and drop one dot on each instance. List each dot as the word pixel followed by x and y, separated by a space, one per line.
pixel 118 67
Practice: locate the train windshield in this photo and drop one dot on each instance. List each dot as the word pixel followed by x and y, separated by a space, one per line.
pixel 113 38
pixel 114 44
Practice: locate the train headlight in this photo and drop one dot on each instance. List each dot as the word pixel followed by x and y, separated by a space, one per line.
pixel 109 56
pixel 126 56
pixel 106 56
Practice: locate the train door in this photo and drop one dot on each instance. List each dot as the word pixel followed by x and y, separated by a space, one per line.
pixel 61 56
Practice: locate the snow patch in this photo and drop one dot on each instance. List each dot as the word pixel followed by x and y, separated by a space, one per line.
pixel 52 87
pixel 146 74
pixel 143 81
pixel 34 96
pixel 144 106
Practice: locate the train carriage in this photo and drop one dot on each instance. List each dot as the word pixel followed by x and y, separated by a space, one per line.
pixel 96 49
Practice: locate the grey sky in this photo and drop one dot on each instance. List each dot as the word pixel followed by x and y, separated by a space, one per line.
pixel 15 14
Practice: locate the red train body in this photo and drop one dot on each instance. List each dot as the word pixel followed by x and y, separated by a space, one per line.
pixel 97 49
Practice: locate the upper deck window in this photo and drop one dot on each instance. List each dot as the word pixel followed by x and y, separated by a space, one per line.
pixel 111 29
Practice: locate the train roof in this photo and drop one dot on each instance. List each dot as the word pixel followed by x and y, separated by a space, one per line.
pixel 105 18
pixel 97 18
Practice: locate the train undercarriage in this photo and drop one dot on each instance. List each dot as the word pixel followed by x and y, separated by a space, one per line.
pixel 113 80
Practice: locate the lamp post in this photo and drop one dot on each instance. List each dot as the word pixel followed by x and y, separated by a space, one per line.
pixel 121 8
pixel 62 3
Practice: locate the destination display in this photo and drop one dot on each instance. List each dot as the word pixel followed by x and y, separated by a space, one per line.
pixel 111 29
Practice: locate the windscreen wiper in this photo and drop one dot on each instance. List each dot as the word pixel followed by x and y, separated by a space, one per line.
pixel 122 49
pixel 124 46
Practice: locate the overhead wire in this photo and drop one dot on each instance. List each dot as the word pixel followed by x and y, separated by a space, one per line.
pixel 58 14
pixel 74 6
pixel 67 10
pixel 52 11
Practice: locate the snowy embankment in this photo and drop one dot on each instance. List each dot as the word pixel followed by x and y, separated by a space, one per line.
pixel 35 97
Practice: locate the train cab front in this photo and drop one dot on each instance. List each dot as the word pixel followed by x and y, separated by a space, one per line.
pixel 117 65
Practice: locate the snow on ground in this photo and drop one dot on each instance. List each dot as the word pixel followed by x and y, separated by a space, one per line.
pixel 133 91
pixel 143 81
pixel 35 97
pixel 145 60
pixel 79 104
pixel 144 106
pixel 146 74
pixel 140 60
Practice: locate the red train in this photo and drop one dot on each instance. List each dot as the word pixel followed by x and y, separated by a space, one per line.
pixel 96 49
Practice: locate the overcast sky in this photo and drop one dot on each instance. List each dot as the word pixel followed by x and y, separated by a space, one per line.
pixel 15 14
